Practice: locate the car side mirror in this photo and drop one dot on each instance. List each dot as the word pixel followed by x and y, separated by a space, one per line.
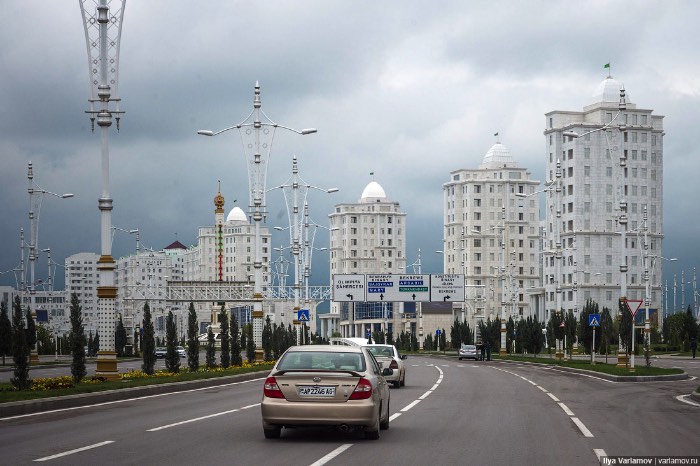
pixel 387 371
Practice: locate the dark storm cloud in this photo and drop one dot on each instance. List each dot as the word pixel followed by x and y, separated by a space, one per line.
pixel 407 90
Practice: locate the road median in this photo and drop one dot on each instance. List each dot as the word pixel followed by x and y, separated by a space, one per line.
pixel 17 408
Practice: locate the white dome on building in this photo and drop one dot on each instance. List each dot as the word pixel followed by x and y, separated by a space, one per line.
pixel 609 91
pixel 373 193
pixel 236 215
pixel 498 157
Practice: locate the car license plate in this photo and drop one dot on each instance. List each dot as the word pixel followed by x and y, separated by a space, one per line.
pixel 316 391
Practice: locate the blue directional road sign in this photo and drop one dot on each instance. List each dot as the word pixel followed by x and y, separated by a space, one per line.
pixel 398 288
pixel 303 315
pixel 594 320
pixel 438 332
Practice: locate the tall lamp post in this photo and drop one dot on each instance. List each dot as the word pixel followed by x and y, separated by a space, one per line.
pixel 499 231
pixel 36 196
pixel 257 137
pixel 103 26
pixel 622 202
pixel 296 192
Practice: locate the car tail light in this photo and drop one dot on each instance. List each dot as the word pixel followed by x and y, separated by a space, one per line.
pixel 271 389
pixel 362 391
pixel 394 364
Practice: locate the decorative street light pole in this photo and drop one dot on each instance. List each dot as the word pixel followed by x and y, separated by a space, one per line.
pixel 257 137
pixel 102 20
pixel 295 189
pixel 36 196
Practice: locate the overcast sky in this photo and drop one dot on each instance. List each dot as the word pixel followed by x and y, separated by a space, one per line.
pixel 409 90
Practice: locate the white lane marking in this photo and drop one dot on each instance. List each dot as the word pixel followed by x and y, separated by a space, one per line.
pixel 394 416
pixel 332 455
pixel 683 399
pixel 424 395
pixel 474 365
pixel 77 450
pixel 599 452
pixel 566 409
pixel 201 418
pixel 410 405
pixel 584 430
pixel 124 401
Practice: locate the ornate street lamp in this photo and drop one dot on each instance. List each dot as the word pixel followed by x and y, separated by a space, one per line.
pixel 102 20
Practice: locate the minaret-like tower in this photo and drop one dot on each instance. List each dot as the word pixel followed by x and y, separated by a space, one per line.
pixel 219 219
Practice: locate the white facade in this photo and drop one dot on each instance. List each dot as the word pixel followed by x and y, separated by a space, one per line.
pixel 491 235
pixel 368 237
pixel 82 279
pixel 609 178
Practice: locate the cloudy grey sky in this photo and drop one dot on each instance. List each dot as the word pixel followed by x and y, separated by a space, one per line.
pixel 409 90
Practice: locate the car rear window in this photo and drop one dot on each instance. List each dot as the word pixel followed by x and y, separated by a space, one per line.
pixel 382 351
pixel 321 360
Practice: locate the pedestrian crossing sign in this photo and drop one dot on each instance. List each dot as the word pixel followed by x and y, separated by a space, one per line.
pixel 594 320
pixel 303 315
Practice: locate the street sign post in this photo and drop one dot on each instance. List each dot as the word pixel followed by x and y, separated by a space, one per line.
pixel 447 287
pixel 593 321
pixel 348 287
pixel 398 288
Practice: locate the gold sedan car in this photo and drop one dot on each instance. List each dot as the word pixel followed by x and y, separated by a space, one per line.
pixel 326 385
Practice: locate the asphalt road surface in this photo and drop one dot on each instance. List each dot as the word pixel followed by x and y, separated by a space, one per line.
pixel 449 412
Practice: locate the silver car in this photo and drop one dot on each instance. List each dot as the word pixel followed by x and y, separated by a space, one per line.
pixel 468 352
pixel 388 356
pixel 326 385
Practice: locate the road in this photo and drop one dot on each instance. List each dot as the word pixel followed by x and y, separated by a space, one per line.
pixel 449 412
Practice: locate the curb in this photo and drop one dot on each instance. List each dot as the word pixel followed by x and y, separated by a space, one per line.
pixel 610 377
pixel 16 408
pixel 695 396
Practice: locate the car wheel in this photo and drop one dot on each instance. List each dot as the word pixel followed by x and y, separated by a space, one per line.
pixel 372 433
pixel 384 424
pixel 460 359
pixel 396 384
pixel 273 432
pixel 403 380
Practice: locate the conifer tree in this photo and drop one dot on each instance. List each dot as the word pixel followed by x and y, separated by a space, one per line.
pixel 250 343
pixel 149 342
pixel 120 337
pixel 192 340
pixel 172 357
pixel 20 348
pixel 267 339
pixel 96 343
pixel 236 358
pixel 77 340
pixel 31 330
pixel 5 332
pixel 225 338
pixel 211 349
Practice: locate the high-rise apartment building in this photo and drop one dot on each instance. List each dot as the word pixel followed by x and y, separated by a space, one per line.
pixel 491 235
pixel 368 237
pixel 605 202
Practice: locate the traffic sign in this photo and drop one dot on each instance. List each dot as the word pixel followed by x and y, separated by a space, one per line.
pixel 303 315
pixel 638 303
pixel 348 287
pixel 594 320
pixel 438 332
pixel 398 288
pixel 447 287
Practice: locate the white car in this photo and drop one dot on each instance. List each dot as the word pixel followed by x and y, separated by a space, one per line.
pixel 388 357
pixel 181 351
